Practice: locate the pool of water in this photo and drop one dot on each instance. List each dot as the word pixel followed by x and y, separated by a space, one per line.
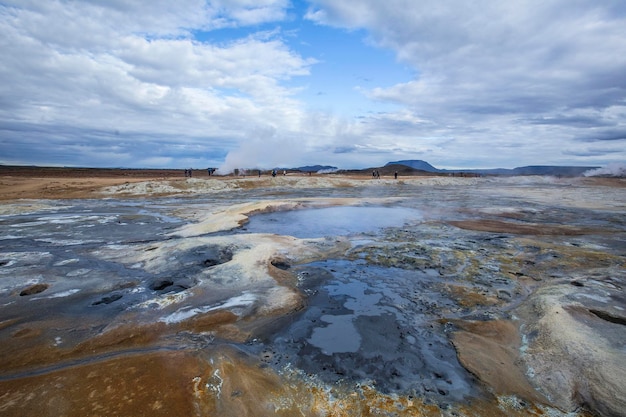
pixel 331 221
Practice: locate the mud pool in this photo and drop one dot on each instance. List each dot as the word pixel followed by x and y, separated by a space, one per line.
pixel 375 324
pixel 397 299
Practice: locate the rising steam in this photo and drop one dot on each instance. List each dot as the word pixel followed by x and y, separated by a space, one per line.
pixel 263 154
pixel 617 169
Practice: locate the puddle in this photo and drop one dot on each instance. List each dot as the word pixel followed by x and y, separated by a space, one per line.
pixel 331 221
pixel 367 324
pixel 339 336
pixel 340 333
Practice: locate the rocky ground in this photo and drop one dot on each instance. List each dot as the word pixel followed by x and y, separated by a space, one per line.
pixel 156 295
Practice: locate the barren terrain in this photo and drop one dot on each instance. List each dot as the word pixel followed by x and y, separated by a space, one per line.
pixel 142 292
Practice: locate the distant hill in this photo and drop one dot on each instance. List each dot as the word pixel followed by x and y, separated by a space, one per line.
pixel 416 164
pixel 565 171
pixel 315 168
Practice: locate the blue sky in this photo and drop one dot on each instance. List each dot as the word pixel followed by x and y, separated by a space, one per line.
pixel 350 83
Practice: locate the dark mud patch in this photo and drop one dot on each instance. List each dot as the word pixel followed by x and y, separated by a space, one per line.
pixel 217 257
pixel 167 286
pixel 280 265
pixel 161 284
pixel 608 317
pixel 206 256
pixel 183 267
pixel 108 299
pixel 34 289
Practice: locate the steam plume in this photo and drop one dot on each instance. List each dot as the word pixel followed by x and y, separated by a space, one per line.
pixel 617 169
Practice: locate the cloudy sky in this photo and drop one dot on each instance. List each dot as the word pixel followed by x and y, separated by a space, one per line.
pixel 349 83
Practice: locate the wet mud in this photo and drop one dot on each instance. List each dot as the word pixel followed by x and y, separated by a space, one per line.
pixel 376 325
pixel 455 300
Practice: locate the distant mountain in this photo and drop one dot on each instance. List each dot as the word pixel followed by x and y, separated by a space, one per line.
pixel 565 171
pixel 316 168
pixel 416 164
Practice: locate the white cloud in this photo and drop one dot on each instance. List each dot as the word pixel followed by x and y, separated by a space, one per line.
pixel 484 68
pixel 522 81
pixel 251 12
pixel 133 67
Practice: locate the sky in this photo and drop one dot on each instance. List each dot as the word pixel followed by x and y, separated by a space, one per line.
pixel 287 83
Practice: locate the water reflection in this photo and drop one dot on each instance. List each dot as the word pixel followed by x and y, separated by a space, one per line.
pixel 331 221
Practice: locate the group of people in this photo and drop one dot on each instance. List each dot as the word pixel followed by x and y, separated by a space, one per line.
pixel 211 171
pixel 376 174
pixel 189 172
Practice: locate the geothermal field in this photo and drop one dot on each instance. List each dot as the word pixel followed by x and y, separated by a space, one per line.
pixel 321 295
